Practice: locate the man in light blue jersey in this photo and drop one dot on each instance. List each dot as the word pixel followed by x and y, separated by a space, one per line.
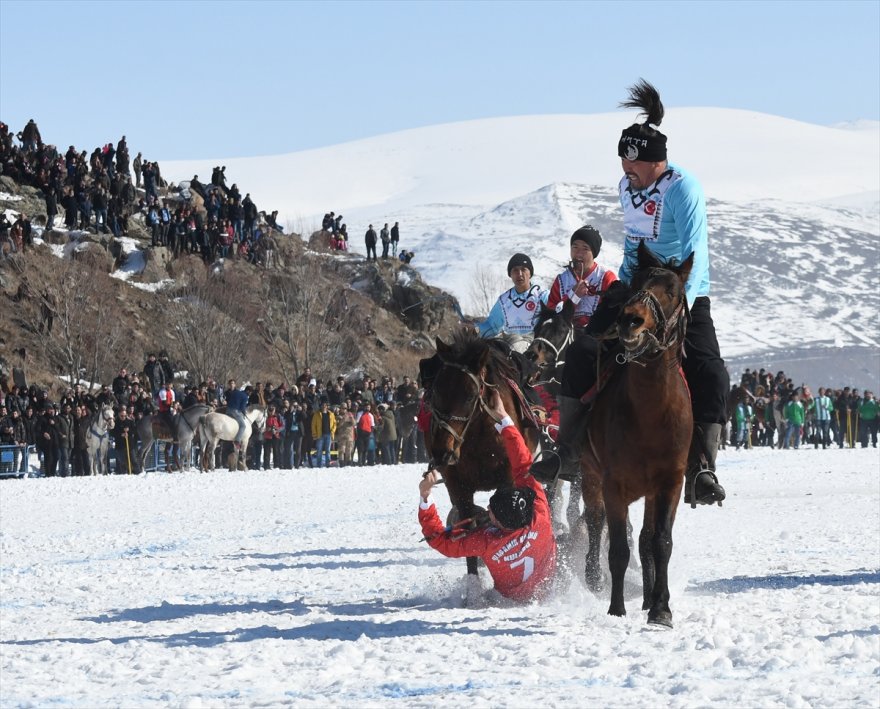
pixel 517 309
pixel 664 208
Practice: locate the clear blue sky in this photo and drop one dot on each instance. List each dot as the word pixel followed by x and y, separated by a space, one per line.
pixel 186 80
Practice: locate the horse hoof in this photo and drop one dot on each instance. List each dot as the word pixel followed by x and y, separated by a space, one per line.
pixel 619 612
pixel 662 619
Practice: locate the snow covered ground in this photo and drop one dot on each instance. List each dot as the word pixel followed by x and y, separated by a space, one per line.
pixel 311 588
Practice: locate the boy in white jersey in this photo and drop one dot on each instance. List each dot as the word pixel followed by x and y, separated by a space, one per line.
pixel 584 283
pixel 516 309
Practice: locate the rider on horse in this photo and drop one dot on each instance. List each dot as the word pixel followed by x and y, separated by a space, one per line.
pixel 166 405
pixel 584 283
pixel 236 407
pixel 516 309
pixel 664 208
pixel 514 314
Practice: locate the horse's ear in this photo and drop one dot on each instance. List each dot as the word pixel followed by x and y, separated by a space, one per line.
pixel 646 258
pixel 483 362
pixel 442 347
pixel 567 311
pixel 684 271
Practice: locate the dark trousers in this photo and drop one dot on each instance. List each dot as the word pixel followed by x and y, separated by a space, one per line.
pixel 50 461
pixel 704 369
pixel 271 452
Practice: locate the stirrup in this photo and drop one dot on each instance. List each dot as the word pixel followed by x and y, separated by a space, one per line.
pixel 537 470
pixel 713 496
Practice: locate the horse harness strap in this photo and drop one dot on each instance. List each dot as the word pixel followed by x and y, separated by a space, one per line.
pixel 441 419
pixel 670 329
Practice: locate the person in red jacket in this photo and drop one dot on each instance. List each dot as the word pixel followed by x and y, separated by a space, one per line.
pixel 517 546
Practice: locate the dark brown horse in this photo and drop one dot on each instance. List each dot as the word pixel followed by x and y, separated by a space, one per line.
pixel 462 439
pixel 553 333
pixel 638 437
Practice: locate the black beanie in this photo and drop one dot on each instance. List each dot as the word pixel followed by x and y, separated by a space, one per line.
pixel 641 142
pixel 520 260
pixel 513 507
pixel 591 236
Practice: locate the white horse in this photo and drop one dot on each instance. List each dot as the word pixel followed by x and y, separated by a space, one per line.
pixel 98 440
pixel 215 427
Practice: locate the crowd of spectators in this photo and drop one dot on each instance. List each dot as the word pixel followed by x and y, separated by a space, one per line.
pixel 96 191
pixel 313 422
pixel 770 410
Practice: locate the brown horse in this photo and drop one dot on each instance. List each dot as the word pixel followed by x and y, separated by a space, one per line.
pixel 462 440
pixel 638 437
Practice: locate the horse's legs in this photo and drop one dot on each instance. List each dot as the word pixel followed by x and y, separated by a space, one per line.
pixel 594 516
pixel 618 549
pixel 665 504
pixel 646 553
pixel 573 511
pixel 463 501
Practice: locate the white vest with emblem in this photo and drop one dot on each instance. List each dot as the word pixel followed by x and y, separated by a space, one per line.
pixel 520 310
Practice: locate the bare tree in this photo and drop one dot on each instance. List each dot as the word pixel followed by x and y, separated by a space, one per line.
pixel 306 321
pixel 212 341
pixel 84 337
pixel 485 286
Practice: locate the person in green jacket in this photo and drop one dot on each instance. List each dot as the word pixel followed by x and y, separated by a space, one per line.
pixel 868 419
pixel 794 415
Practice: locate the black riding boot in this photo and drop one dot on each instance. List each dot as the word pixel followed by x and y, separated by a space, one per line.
pixel 566 457
pixel 701 484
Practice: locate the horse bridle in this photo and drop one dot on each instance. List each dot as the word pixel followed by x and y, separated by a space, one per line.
pixel 441 420
pixel 100 416
pixel 569 338
pixel 670 329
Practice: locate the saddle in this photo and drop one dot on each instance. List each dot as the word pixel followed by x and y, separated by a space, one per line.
pixel 162 430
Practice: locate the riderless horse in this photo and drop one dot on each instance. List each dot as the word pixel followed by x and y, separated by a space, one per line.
pixel 638 436
pixel 101 423
pixel 215 427
pixel 462 439
pixel 155 427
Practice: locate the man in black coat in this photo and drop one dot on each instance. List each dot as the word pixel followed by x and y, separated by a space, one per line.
pixel 370 241
pixel 48 440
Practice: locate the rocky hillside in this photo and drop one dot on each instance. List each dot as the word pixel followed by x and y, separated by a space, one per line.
pixel 87 304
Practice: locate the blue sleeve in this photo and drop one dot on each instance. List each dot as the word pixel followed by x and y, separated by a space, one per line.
pixel 688 206
pixel 494 324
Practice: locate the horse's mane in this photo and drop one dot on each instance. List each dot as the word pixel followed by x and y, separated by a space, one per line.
pixel 468 348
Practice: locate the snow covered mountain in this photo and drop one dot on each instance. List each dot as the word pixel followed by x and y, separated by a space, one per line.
pixel 794 211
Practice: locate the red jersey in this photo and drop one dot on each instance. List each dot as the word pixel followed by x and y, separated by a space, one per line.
pixel 522 561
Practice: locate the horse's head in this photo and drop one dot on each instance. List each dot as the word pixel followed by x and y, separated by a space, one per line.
pixel 457 394
pixel 553 333
pixel 655 318
pixel 107 416
pixel 257 416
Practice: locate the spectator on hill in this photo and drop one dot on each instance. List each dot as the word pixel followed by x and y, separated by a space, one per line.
pixel 385 235
pixel 30 137
pixel 370 242
pixel 395 237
